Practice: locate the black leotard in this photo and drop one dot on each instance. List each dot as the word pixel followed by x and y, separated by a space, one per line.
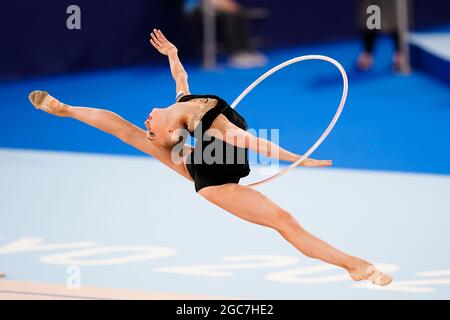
pixel 232 165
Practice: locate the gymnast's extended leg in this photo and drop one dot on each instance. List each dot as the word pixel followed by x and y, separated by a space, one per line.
pixel 109 122
pixel 253 206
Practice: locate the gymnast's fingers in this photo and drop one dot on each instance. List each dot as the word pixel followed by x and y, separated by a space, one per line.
pixel 322 163
pixel 155 39
pixel 158 36
pixel 325 163
pixel 161 35
pixel 154 44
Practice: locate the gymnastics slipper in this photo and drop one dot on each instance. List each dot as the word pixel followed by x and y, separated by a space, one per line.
pixel 43 101
pixel 373 275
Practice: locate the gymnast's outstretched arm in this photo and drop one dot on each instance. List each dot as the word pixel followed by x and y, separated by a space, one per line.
pixel 225 130
pixel 165 47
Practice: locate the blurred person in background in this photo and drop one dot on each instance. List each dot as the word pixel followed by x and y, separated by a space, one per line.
pixel 389 25
pixel 232 24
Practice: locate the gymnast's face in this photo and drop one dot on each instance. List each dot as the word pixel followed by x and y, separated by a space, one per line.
pixel 158 126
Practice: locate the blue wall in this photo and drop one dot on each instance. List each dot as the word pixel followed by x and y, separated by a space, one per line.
pixel 35 39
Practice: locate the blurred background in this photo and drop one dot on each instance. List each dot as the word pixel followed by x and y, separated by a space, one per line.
pixel 114 33
pixel 386 195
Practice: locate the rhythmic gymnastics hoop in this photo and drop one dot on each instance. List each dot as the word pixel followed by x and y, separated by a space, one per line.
pixel 327 130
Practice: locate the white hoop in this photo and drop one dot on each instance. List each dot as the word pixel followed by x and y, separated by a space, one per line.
pixel 327 130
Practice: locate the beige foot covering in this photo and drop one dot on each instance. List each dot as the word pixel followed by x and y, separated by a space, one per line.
pixel 43 101
pixel 373 275
pixel 377 277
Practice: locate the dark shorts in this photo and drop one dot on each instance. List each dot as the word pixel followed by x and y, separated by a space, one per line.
pixel 205 178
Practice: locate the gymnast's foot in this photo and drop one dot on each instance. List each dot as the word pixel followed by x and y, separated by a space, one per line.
pixel 363 270
pixel 43 101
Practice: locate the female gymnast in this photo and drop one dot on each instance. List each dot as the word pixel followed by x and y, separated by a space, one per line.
pixel 216 181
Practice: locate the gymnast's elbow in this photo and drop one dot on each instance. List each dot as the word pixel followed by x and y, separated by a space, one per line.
pixel 180 75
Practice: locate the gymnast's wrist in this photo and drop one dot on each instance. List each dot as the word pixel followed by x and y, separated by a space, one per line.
pixel 172 51
pixel 298 157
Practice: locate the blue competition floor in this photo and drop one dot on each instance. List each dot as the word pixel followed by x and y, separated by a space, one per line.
pixel 386 198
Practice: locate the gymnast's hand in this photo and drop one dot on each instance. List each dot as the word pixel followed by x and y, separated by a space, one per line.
pixel 308 162
pixel 159 41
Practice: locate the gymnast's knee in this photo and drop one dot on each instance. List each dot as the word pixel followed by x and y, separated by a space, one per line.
pixel 284 221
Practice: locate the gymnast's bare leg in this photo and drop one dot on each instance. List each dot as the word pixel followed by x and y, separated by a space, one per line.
pixel 109 122
pixel 251 205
